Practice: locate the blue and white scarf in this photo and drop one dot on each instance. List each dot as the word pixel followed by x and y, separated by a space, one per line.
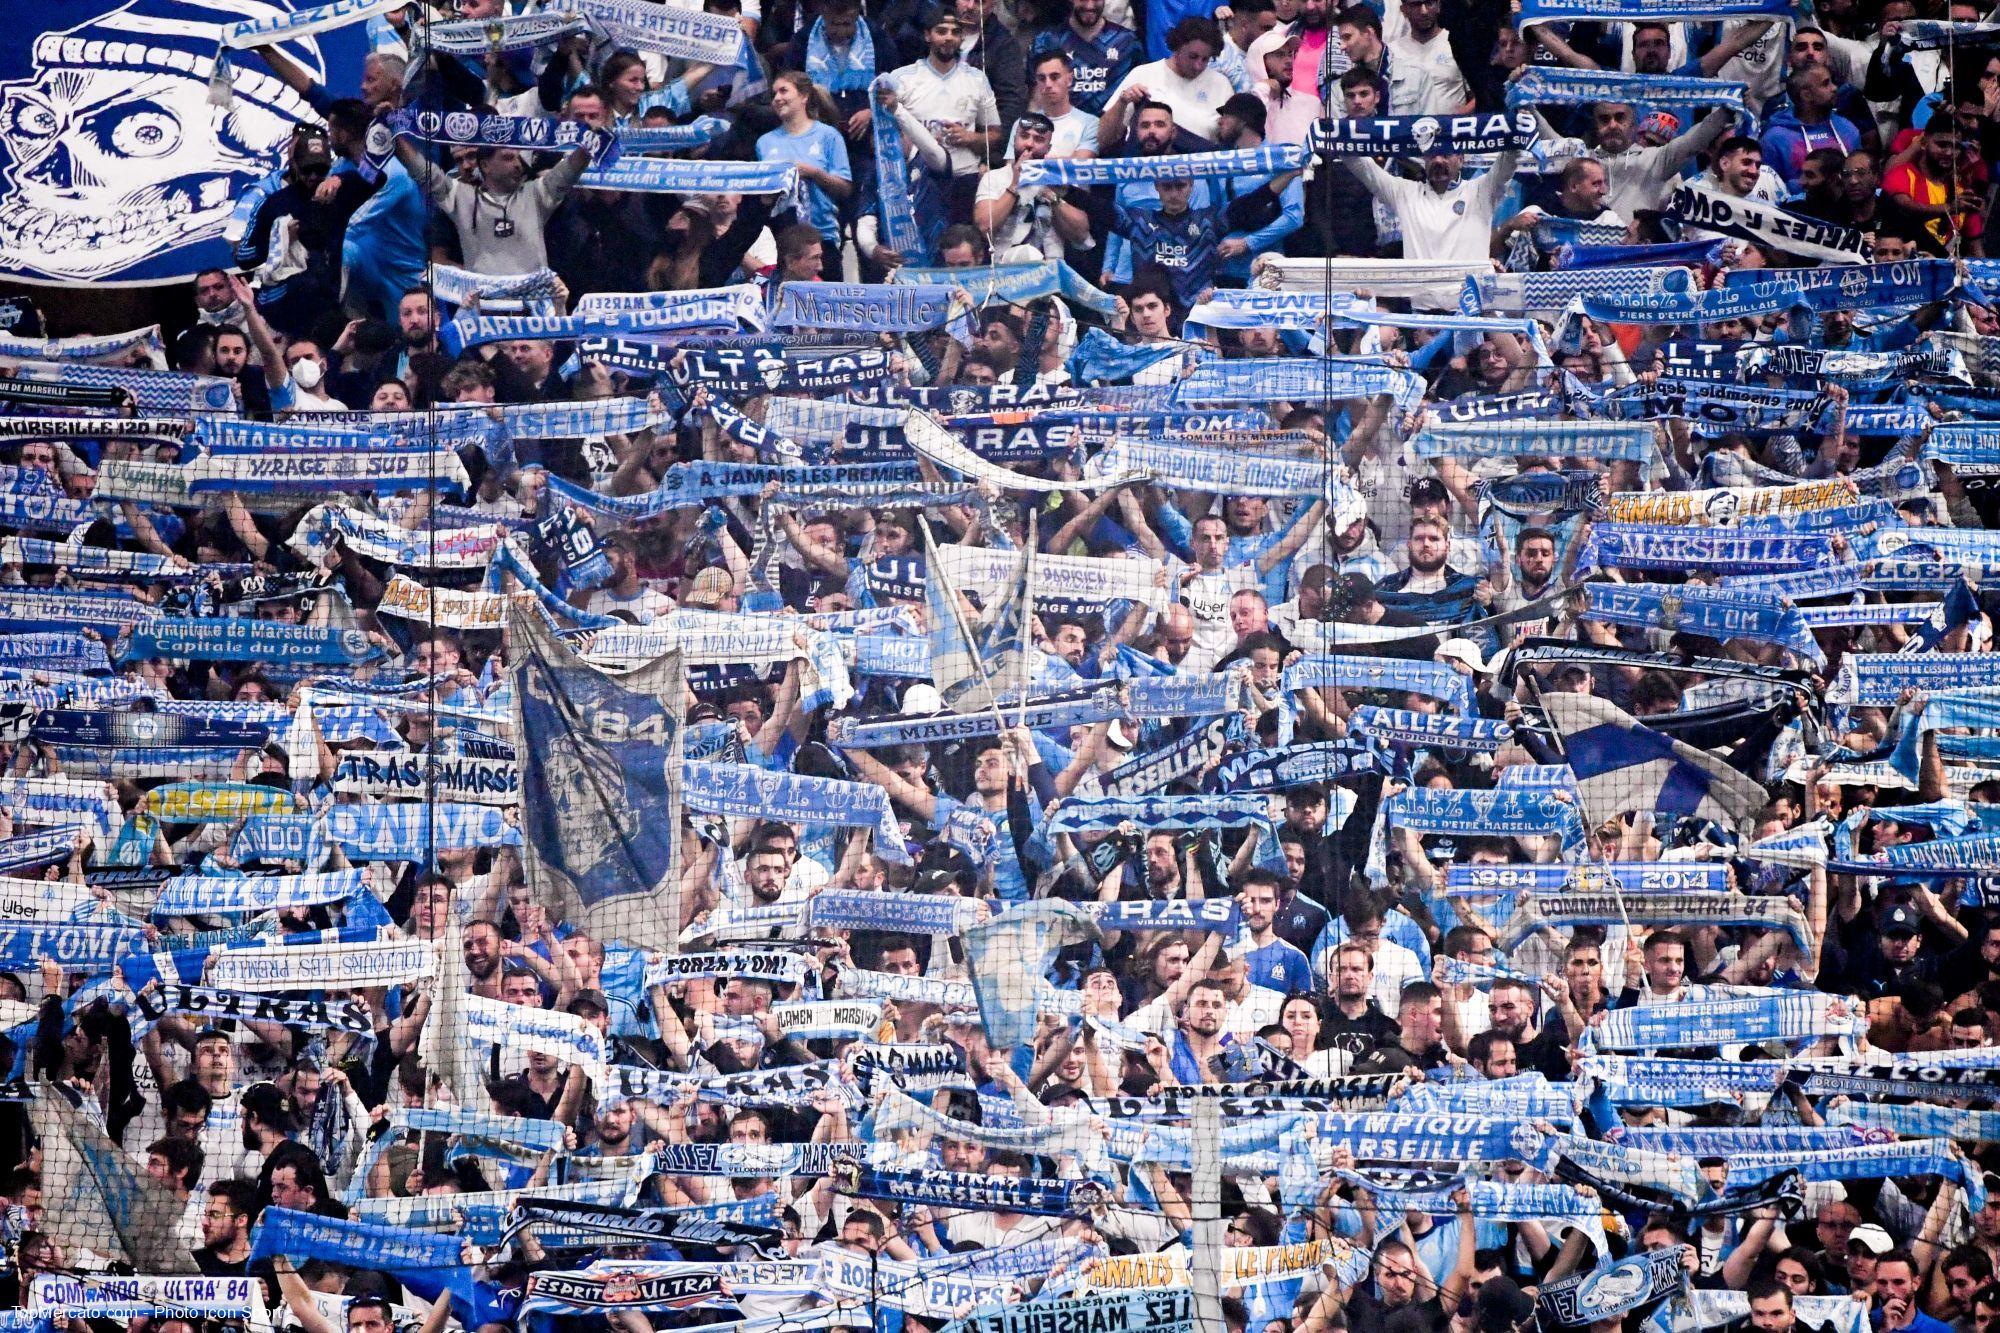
pixel 203 895
pixel 1063 171
pixel 1389 1136
pixel 1720 613
pixel 1543 85
pixel 697 133
pixel 468 129
pixel 1767 225
pixel 105 1296
pixel 1872 1161
pixel 1187 466
pixel 1296 766
pixel 853 72
pixel 1249 308
pixel 741 791
pixel 235 639
pixel 1493 812
pixel 1422 136
pixel 413 832
pixel 1615 1288
pixel 1394 675
pixel 1016 284
pixel 897 307
pixel 1601 440
pixel 672 30
pixel 506 33
pixel 477 330
pixel 656 175
pixel 1631 877
pixel 1676 547
pixel 1773 291
pixel 1261 380
pixel 1162 765
pixel 1644 11
pixel 1398 726
pixel 1935 34
pixel 1672 910
pixel 1775 1016
pixel 54 651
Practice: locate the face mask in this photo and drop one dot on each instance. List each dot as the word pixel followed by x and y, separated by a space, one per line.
pixel 307 374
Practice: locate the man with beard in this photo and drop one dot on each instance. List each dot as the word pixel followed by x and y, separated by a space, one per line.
pixel 956 102
pixel 1423 52
pixel 1313 31
pixel 1272 963
pixel 1444 216
pixel 1199 1039
pixel 1924 194
pixel 1430 581
pixel 1263 226
pixel 417 321
pixel 1810 122
pixel 481 948
pixel 1404 1299
pixel 1639 178
pixel 225 1228
pixel 1821 195
pixel 1534 571
pixel 1354 1022
pixel 1512 1008
pixel 1101 54
pixel 1162 868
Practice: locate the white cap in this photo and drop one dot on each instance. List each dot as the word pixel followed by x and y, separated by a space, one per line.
pixel 1253 59
pixel 1462 650
pixel 1871 1238
pixel 921 698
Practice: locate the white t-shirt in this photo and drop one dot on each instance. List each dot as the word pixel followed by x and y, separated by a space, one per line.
pixel 1424 77
pixel 1075 132
pixel 1197 102
pixel 1456 225
pixel 1206 597
pixel 1258 1008
pixel 986 1232
pixel 962 97
pixel 1029 222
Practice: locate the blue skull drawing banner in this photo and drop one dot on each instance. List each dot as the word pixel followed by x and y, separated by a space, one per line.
pixel 115 168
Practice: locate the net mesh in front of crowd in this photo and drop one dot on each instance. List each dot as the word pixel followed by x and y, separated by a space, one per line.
pixel 568 770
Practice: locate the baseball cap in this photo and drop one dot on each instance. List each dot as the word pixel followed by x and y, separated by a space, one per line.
pixel 270 1104
pixel 311 149
pixel 1871 1238
pixel 1661 122
pixel 1900 921
pixel 709 588
pixel 1502 1305
pixel 589 1001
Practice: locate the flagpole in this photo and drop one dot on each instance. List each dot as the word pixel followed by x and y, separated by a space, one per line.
pixel 1583 811
pixel 934 568
pixel 1027 612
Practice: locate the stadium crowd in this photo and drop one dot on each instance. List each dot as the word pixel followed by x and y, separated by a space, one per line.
pixel 1019 667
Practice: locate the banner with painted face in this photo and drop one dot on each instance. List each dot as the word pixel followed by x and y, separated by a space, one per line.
pixel 114 166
